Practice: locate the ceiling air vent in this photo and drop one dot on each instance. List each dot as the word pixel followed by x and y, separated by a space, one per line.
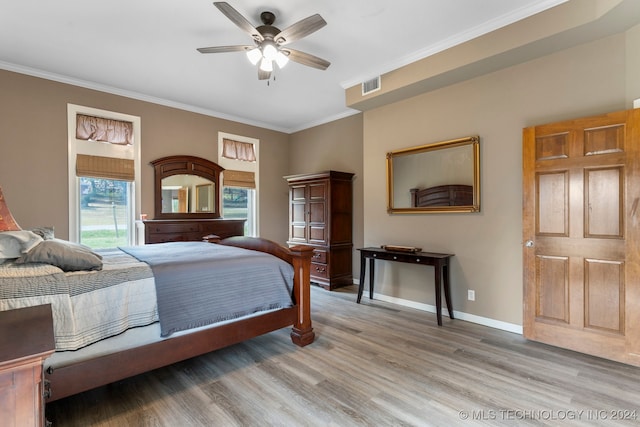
pixel 371 86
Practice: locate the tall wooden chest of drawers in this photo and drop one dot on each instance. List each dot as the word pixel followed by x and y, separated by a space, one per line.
pixel 321 216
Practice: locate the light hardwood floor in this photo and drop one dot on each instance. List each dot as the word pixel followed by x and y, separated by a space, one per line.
pixel 373 364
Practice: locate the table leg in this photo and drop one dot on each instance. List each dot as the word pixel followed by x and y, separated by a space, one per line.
pixel 447 289
pixel 363 269
pixel 438 279
pixel 372 269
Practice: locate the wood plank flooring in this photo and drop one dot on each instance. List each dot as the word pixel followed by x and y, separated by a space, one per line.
pixel 373 364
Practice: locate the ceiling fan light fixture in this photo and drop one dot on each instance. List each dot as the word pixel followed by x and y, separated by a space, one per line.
pixel 254 55
pixel 281 59
pixel 266 65
pixel 269 51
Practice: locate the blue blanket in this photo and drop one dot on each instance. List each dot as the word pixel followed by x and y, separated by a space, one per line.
pixel 199 283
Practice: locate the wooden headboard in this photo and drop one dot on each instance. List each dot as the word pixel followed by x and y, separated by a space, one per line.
pixel 442 195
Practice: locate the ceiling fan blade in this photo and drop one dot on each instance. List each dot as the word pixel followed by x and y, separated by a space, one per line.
pixel 307 59
pixel 300 29
pixel 238 19
pixel 221 49
pixel 263 75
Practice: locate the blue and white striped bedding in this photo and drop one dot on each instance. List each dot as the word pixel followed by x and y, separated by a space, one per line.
pixel 90 306
pixel 87 306
pixel 199 283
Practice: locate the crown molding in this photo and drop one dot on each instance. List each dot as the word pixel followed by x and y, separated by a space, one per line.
pixel 462 37
pixel 134 95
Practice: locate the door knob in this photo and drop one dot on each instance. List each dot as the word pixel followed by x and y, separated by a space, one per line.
pixel 529 243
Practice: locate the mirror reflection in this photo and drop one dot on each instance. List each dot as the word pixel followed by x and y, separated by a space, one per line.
pixel 204 198
pixel 438 177
pixel 187 193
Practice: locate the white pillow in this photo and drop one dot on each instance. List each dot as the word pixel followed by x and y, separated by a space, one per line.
pixel 14 244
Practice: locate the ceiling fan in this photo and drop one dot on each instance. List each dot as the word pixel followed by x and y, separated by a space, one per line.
pixel 270 42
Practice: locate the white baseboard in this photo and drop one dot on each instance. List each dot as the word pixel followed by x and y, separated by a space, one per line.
pixel 485 321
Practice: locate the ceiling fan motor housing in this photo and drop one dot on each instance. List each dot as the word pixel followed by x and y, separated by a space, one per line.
pixel 267 17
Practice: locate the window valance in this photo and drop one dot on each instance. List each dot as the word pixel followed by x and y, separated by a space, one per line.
pixel 105 130
pixel 237 150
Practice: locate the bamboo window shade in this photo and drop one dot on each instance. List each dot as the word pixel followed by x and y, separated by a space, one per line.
pixel 237 150
pixel 241 179
pixel 105 167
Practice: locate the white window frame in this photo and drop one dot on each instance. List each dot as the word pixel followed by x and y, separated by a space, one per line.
pixel 242 166
pixel 79 146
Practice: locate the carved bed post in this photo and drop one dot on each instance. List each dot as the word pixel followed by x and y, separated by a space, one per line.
pixel 302 332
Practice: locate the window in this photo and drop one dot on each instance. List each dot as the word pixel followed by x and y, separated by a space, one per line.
pixel 104 177
pixel 239 156
pixel 238 203
pixel 104 216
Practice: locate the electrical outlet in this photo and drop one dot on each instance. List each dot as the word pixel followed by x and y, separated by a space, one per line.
pixel 471 295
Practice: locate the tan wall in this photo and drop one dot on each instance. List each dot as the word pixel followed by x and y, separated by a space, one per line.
pixel 588 79
pixel 633 64
pixel 585 80
pixel 33 149
pixel 334 146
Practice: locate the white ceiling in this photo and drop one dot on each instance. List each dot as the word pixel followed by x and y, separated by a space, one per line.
pixel 146 49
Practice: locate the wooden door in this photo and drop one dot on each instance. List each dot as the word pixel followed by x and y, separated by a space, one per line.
pixel 317 202
pixel 183 200
pixel 298 213
pixel 581 223
pixel 308 212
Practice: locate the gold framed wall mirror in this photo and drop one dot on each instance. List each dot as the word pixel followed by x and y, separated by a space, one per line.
pixel 433 178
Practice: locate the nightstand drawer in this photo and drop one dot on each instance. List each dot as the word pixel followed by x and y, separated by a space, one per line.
pixel 27 340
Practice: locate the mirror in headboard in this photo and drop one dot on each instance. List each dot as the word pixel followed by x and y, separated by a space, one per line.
pixel 439 177
pixel 186 187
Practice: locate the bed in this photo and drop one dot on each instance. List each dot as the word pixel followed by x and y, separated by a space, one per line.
pixel 101 348
pixel 442 195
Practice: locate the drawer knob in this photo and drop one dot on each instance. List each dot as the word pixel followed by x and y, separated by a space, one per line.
pixel 395 257
pixel 417 259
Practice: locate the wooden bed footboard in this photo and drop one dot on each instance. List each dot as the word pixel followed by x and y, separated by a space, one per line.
pixel 88 374
pixel 300 257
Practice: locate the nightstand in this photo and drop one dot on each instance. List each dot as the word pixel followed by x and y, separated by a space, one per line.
pixel 26 340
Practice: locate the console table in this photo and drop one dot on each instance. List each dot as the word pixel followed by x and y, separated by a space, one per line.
pixel 440 262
